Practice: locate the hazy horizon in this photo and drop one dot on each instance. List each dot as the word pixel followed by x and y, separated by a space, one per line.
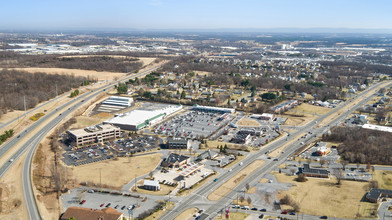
pixel 221 15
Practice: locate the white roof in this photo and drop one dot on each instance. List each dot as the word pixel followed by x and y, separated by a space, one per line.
pixel 267 115
pixel 377 127
pixel 151 183
pixel 137 117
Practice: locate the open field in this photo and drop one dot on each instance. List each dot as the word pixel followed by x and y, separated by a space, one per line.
pixel 324 197
pixel 101 76
pixel 145 60
pixel 251 190
pixel 248 122
pixel 116 172
pixel 310 109
pixel 215 144
pixel 233 216
pixel 225 188
pixel 187 214
pixel 297 119
pixel 384 179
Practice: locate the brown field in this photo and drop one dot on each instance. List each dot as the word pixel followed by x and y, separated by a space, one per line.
pixel 384 179
pixel 215 144
pixel 324 197
pixel 263 180
pixel 101 76
pixel 248 122
pixel 116 172
pixel 145 60
pixel 311 109
pixel 225 188
pixel 251 190
pixel 187 214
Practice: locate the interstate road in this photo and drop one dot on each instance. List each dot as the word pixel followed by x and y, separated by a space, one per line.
pixel 32 144
pixel 214 207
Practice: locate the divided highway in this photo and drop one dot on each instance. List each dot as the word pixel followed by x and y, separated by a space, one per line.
pixel 32 144
pixel 214 207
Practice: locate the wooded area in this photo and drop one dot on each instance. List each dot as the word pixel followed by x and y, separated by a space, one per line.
pixel 36 87
pixel 362 145
pixel 98 63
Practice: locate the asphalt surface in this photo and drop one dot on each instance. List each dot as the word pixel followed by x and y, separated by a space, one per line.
pixel 32 144
pixel 215 207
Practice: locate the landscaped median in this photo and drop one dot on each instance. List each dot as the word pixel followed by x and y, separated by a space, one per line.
pixel 228 186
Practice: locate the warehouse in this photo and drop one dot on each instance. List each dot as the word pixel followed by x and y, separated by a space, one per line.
pixel 139 119
pixel 94 134
pixel 118 101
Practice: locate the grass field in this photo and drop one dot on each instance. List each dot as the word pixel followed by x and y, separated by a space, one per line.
pixel 187 214
pixel 384 179
pixel 248 122
pixel 225 188
pixel 311 109
pixel 324 197
pixel 215 144
pixel 116 172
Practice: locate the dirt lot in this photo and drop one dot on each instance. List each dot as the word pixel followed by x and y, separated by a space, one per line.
pixel 187 214
pixel 225 188
pixel 324 197
pixel 116 172
pixel 251 190
pixel 248 122
pixel 298 119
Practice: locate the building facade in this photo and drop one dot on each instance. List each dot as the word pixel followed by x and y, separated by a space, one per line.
pixel 94 134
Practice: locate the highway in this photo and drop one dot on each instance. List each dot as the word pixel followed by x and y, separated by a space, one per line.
pixel 32 144
pixel 214 207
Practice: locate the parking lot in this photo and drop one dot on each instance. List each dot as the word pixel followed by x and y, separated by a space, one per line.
pixel 98 200
pixel 193 124
pixel 97 152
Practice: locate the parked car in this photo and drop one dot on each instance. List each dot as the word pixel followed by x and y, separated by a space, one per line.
pixel 108 204
pixel 261 216
pixel 263 210
pixel 82 202
pixel 254 209
pixel 122 208
pixel 102 204
pixel 324 217
pixel 283 212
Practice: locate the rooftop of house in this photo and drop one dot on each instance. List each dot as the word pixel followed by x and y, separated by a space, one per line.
pixel 376 193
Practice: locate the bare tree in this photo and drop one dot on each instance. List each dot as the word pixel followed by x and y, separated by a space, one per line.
pixel 249 200
pixel 247 186
pixel 339 175
pixel 242 199
pixel 292 170
pixel 344 164
pixel 322 162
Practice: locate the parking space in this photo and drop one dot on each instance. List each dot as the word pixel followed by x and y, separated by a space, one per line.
pixel 193 124
pixel 97 152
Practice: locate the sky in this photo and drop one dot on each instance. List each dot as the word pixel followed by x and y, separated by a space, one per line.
pixel 194 14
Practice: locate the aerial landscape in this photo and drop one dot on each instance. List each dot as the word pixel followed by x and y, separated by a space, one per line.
pixel 178 110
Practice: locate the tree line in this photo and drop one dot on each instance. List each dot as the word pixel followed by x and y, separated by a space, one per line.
pixel 362 145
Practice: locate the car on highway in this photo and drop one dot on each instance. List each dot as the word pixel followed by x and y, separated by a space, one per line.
pixel 276 159
pixel 108 204
pixel 254 209
pixel 324 217
pixel 11 160
pixel 216 179
pixel 82 202
pixel 116 206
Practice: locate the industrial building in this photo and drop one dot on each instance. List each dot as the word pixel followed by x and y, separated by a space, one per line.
pixel 177 143
pixel 118 101
pixel 284 106
pixel 139 119
pixel 213 109
pixel 94 134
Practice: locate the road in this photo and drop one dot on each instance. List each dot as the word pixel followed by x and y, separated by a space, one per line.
pixel 214 207
pixel 32 144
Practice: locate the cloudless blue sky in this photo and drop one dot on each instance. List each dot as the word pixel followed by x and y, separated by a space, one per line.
pixel 194 14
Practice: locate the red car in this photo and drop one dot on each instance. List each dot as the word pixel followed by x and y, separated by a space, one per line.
pixel 102 204
pixel 82 202
pixel 283 212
